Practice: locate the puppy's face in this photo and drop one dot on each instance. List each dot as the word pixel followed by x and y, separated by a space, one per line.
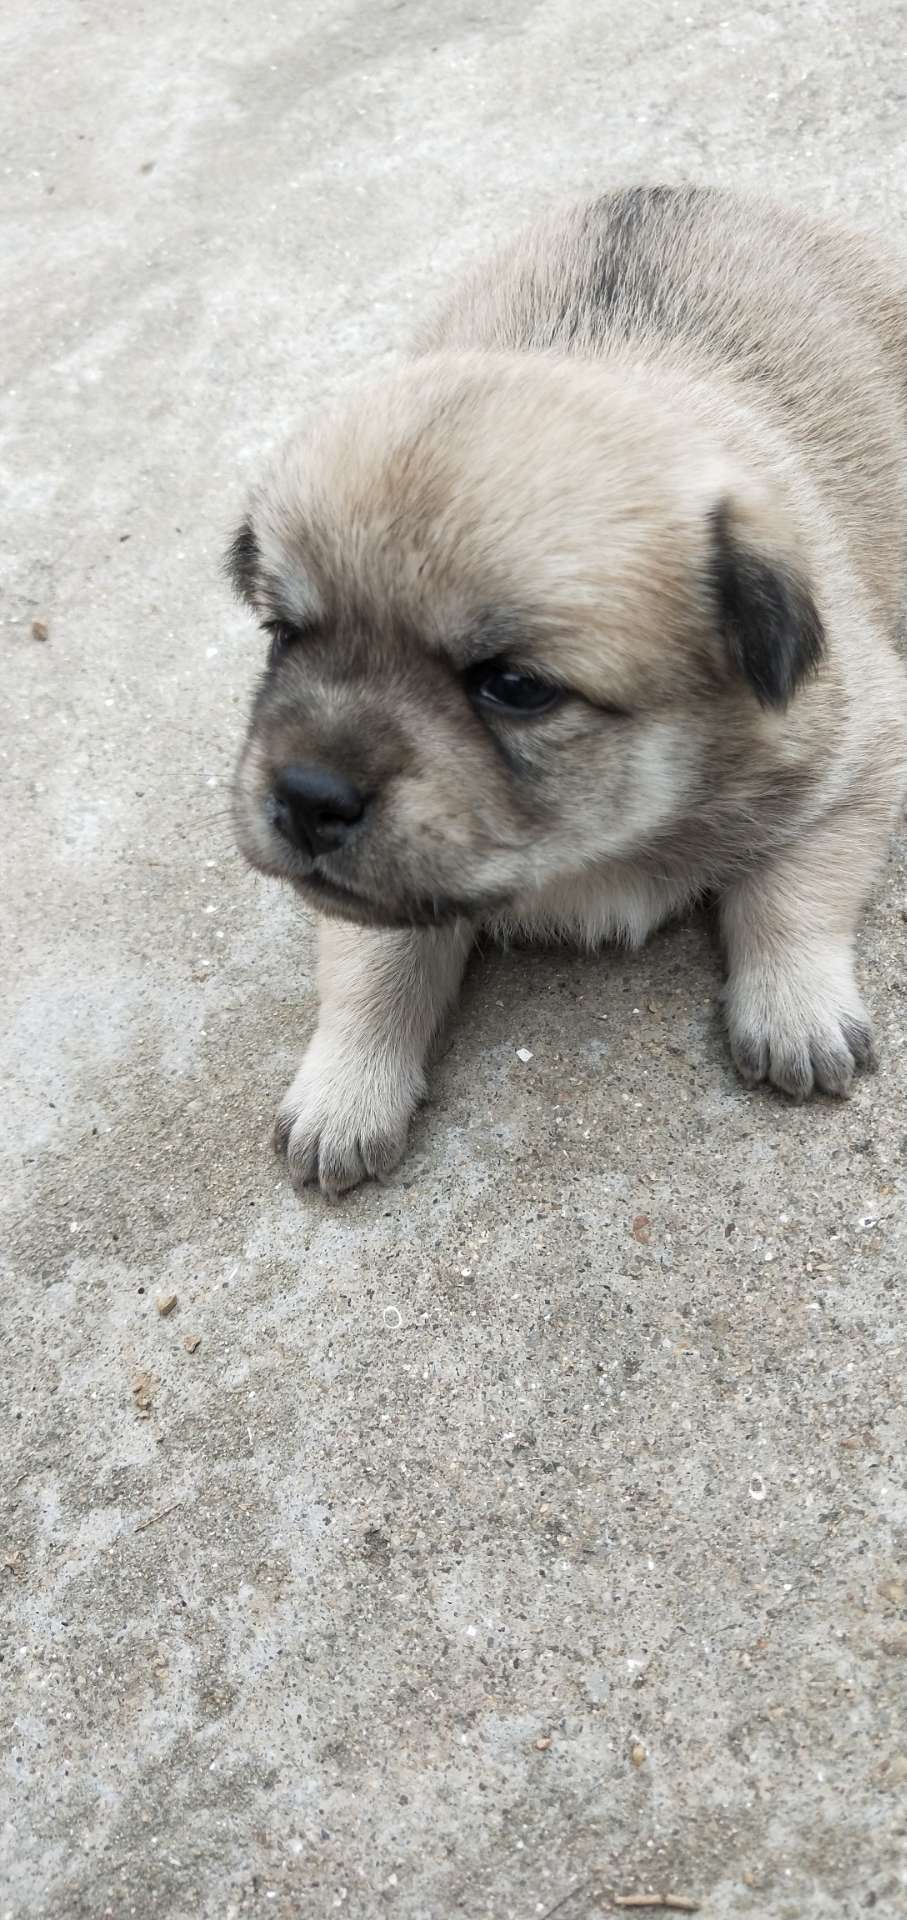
pixel 509 606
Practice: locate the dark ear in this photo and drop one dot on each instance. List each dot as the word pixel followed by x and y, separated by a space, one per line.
pixel 771 624
pixel 242 562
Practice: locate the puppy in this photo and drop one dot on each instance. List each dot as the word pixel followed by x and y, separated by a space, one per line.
pixel 587 612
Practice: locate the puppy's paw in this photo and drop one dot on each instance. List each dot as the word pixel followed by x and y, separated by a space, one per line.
pixel 347 1115
pixel 803 1028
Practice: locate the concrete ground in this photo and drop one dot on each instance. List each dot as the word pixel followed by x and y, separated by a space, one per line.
pixel 534 1531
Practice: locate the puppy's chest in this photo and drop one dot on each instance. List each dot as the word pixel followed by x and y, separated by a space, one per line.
pixel 617 904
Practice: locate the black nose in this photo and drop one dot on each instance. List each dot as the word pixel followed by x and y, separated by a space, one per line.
pixel 315 808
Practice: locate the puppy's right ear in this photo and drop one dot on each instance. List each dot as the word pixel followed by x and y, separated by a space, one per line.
pixel 242 563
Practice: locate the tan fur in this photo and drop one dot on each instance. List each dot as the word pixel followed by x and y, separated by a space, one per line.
pixel 644 424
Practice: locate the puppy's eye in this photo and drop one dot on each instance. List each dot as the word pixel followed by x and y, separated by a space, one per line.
pixel 282 635
pixel 497 684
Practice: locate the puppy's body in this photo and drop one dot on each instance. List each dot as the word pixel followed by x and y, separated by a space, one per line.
pixel 651 459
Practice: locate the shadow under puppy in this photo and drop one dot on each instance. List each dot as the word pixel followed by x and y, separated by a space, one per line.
pixel 586 611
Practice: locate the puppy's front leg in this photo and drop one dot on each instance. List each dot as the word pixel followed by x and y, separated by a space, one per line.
pixel 383 996
pixel 794 1012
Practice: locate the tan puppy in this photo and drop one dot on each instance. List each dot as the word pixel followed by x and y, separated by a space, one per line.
pixel 587 612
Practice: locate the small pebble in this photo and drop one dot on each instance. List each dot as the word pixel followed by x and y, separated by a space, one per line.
pixel 166 1303
pixel 523 1053
pixel 192 1341
pixel 143 1386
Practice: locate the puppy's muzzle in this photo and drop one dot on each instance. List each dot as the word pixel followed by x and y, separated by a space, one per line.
pixel 315 809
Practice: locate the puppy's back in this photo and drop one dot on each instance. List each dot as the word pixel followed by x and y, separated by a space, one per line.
pixel 808 320
pixel 729 280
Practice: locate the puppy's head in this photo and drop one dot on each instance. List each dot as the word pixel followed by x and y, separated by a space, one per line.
pixel 513 607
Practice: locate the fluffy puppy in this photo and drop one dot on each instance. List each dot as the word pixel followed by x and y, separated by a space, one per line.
pixel 586 612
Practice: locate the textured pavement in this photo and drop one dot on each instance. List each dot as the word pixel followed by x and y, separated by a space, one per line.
pixel 533 1531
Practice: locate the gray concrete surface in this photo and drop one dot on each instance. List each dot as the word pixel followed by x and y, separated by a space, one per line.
pixel 536 1530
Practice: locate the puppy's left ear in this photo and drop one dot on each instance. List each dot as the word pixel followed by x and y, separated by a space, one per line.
pixel 771 626
pixel 242 563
